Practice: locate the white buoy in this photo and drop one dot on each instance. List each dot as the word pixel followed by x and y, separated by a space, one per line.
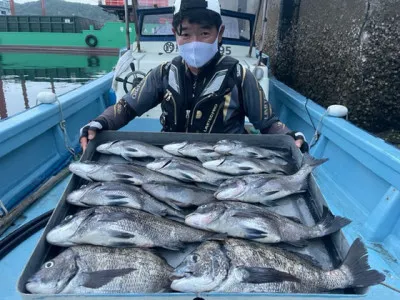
pixel 338 111
pixel 46 97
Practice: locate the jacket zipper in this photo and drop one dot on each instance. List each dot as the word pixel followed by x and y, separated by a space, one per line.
pixel 197 104
pixel 187 120
pixel 216 116
pixel 171 97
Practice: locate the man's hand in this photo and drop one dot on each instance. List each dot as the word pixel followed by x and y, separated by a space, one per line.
pixel 88 132
pixel 300 141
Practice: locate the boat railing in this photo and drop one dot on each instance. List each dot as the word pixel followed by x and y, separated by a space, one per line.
pixel 33 144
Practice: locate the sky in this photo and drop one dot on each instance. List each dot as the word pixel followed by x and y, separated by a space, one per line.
pixel 93 2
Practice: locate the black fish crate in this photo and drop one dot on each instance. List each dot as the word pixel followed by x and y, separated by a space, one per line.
pixel 328 251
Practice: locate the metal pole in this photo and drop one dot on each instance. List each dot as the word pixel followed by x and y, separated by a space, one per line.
pixel 136 21
pixel 3 106
pixel 43 8
pixel 12 7
pixel 264 28
pixel 255 26
pixel 128 38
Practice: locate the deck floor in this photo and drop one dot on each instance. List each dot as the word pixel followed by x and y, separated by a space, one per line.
pixel 12 265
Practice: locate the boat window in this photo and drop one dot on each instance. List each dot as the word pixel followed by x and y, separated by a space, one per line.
pixel 161 25
pixel 157 24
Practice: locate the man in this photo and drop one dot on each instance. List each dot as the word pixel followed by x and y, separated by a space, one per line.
pixel 200 91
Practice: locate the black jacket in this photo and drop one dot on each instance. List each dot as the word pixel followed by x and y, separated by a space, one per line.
pixel 217 100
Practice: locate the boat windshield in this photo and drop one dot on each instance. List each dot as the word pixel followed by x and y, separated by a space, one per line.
pixel 161 25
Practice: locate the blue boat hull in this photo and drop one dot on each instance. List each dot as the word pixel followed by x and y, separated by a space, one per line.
pixel 360 181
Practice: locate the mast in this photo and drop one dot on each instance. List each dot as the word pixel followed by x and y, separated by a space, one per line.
pixel 136 21
pixel 12 7
pixel 43 7
pixel 128 38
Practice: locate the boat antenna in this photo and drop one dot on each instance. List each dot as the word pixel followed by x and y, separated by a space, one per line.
pixel 253 37
pixel 135 6
pixel 128 38
pixel 264 29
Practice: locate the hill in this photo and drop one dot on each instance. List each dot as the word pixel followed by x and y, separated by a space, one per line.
pixel 62 8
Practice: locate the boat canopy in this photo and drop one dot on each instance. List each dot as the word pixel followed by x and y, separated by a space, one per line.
pixel 156 25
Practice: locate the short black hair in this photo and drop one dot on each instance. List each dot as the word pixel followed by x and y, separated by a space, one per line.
pixel 204 17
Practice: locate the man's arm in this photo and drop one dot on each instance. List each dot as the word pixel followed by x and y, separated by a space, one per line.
pixel 259 111
pixel 257 108
pixel 146 95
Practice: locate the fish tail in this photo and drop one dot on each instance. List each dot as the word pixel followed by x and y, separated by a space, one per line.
pixel 356 262
pixel 330 223
pixel 313 162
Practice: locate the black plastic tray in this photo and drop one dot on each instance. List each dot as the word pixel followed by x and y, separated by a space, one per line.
pixel 328 251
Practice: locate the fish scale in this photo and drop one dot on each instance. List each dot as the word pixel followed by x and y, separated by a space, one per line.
pixel 245 267
pixel 123 227
pixel 91 269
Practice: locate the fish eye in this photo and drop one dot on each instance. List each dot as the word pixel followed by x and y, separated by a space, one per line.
pixel 49 264
pixel 67 218
pixel 195 258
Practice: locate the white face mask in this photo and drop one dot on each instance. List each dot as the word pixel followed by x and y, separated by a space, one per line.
pixel 197 54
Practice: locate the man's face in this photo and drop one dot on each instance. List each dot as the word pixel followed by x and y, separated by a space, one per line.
pixel 192 32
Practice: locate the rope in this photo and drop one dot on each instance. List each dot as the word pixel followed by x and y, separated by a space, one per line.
pixel 390 287
pixel 63 127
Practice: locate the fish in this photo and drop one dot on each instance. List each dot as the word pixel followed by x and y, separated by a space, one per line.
pixel 239 266
pixel 251 222
pixel 129 149
pixel 235 165
pixel 100 270
pixel 124 173
pixel 120 194
pixel 238 148
pixel 186 171
pixel 124 227
pixel 269 188
pixel 201 151
pixel 181 195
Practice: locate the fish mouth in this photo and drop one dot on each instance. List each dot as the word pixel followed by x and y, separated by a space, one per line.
pixel 230 190
pixel 177 276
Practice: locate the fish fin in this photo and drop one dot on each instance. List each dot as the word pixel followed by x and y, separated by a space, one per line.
pixel 115 197
pixel 131 149
pixel 263 214
pixel 304 256
pixel 175 247
pixel 115 216
pixel 297 244
pixel 121 234
pixel 294 219
pixel 127 157
pixel 330 223
pixel 188 177
pixel 217 237
pixel 252 154
pixel 312 161
pixel 253 234
pixel 356 262
pixel 265 275
pixel 176 219
pixel 118 203
pixel 97 279
pixel 173 205
pixel 245 168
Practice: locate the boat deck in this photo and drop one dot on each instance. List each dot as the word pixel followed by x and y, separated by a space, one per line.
pixel 13 264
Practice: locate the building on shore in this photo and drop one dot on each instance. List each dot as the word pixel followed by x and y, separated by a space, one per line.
pixel 5 8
